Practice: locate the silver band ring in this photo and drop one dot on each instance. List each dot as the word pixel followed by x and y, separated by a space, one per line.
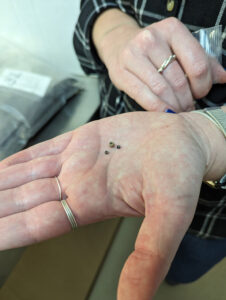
pixel 167 62
pixel 69 214
pixel 59 187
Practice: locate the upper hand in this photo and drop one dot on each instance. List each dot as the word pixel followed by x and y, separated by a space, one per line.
pixel 156 173
pixel 133 55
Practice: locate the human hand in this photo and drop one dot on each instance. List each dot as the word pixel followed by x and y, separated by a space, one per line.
pixel 161 157
pixel 133 55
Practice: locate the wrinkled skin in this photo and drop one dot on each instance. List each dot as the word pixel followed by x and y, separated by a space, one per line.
pixel 156 173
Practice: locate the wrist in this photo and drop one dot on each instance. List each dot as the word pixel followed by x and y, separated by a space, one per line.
pixel 212 142
pixel 111 30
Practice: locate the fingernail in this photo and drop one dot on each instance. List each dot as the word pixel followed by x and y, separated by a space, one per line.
pixel 170 111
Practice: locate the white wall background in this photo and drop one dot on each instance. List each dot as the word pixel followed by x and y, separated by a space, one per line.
pixel 43 27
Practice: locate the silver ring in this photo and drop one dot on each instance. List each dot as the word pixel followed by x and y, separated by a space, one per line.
pixel 59 187
pixel 167 62
pixel 69 214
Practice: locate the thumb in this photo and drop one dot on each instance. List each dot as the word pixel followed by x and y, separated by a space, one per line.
pixel 158 240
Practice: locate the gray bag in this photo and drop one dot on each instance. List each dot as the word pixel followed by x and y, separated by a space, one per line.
pixel 31 92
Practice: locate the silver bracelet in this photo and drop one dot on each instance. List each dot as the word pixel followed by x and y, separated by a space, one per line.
pixel 218 117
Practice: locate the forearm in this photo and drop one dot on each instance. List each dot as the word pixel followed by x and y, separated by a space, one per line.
pixel 213 142
pixel 110 29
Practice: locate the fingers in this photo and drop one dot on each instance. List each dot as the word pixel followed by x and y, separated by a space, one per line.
pixel 191 56
pixel 157 242
pixel 43 222
pixel 142 59
pixel 173 75
pixel 180 85
pixel 29 195
pixel 23 173
pixel 191 76
pixel 47 148
pixel 144 70
pixel 142 94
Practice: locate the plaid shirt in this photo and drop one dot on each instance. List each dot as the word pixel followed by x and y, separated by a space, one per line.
pixel 210 217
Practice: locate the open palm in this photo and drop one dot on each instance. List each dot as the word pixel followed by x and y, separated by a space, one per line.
pixel 160 159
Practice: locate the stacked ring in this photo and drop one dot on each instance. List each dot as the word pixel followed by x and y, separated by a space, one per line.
pixel 66 207
pixel 69 214
pixel 59 187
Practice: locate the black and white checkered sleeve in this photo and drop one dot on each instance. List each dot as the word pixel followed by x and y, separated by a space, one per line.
pixel 84 48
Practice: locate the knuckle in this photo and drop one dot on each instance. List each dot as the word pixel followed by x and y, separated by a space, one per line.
pixel 147 39
pixel 200 69
pixel 172 23
pixel 179 83
pixel 126 54
pixel 158 87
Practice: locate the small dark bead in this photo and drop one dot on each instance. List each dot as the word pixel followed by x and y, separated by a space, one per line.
pixel 106 152
pixel 112 145
pixel 118 147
